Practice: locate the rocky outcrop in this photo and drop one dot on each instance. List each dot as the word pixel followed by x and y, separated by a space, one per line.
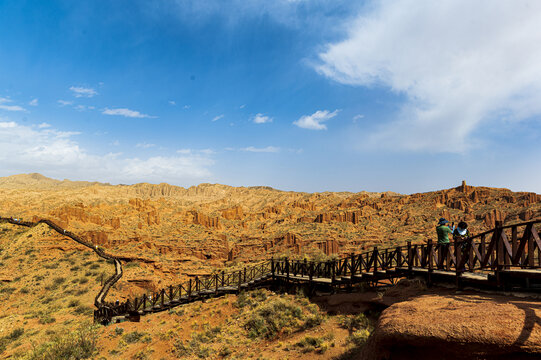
pixel 234 213
pixel 457 326
pixel 349 216
pixel 198 218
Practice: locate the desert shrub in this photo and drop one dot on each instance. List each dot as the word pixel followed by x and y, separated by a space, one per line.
pixel 80 344
pixel 82 310
pixel 136 336
pixel 208 335
pixel 119 331
pixel 313 320
pixel 24 290
pixel 51 265
pixel 74 303
pixel 59 280
pixel 15 334
pixel 358 337
pixel 7 290
pixel 193 347
pixel 352 323
pixel 251 299
pixel 46 319
pixel 83 280
pixel 273 317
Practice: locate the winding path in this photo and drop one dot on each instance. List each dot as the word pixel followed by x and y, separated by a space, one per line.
pixel 99 300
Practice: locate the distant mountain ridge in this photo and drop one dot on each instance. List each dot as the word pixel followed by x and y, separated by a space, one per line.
pixel 39 181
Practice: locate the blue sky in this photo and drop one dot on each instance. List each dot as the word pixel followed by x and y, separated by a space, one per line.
pixel 303 95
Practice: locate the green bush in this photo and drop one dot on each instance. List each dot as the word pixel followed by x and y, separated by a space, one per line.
pixel 273 317
pixel 80 344
pixel 359 337
pixel 136 336
pixel 46 319
pixel 251 299
pixel 352 323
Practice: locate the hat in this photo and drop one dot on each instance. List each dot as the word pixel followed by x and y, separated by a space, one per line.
pixel 461 231
pixel 442 221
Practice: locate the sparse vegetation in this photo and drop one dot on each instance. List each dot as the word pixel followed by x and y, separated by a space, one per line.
pixel 80 344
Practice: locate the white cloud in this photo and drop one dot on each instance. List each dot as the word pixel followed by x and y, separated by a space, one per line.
pixel 216 118
pixel 171 102
pixel 261 119
pixel 83 107
pixel 315 121
pixel 79 91
pixel 126 113
pixel 242 106
pixel 33 102
pixel 186 107
pixel 64 102
pixel 268 149
pixel 358 117
pixel 57 154
pixel 145 145
pixel 44 125
pixel 459 63
pixel 3 106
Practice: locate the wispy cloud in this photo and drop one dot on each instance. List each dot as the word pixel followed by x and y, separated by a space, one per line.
pixel 58 154
pixel 126 113
pixel 79 91
pixel 145 145
pixel 64 102
pixel 4 106
pixel 261 119
pixel 83 107
pixel 171 102
pixel 186 107
pixel 316 120
pixel 485 69
pixel 242 106
pixel 268 149
pixel 44 125
pixel 218 117
pixel 33 102
pixel 358 117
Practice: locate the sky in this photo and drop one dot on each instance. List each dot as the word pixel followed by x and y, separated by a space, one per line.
pixel 302 95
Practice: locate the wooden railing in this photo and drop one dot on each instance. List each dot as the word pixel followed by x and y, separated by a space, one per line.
pixel 504 247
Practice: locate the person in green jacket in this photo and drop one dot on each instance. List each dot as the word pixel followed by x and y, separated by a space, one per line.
pixel 443 230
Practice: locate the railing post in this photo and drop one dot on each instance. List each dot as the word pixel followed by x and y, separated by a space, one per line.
pixel 430 246
pixel 458 261
pixel 240 279
pixel 352 266
pixel 189 289
pixel 304 267
pixel 223 278
pixel 272 268
pixel 333 271
pixel 163 297
pixel 144 301
pixel 376 256
pixel 410 259
pixel 398 256
pixel 197 285
pixel 216 282
pixel 499 253
pixel 170 293
pixel 287 269
pixel 244 274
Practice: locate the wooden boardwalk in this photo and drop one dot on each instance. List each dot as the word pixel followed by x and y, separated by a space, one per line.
pixel 505 258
